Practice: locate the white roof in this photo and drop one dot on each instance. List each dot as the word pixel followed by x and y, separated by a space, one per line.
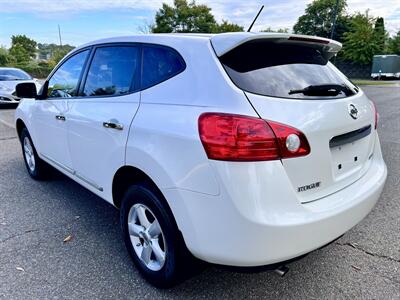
pixel 223 42
pixel 150 38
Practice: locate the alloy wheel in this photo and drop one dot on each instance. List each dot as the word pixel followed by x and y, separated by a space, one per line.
pixel 147 237
pixel 29 154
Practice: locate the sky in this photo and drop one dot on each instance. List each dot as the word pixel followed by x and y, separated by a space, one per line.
pixel 82 21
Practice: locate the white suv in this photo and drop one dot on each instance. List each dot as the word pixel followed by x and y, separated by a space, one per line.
pixel 238 149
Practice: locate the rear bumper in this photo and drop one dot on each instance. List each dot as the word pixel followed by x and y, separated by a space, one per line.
pixel 254 222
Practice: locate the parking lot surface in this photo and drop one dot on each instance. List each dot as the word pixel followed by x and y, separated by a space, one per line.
pixel 36 217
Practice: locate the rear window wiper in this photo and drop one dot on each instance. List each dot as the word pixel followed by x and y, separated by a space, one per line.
pixel 323 90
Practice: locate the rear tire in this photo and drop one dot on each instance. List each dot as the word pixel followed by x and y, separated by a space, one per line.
pixel 168 257
pixel 37 168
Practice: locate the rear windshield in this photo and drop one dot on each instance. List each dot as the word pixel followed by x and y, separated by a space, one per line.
pixel 285 71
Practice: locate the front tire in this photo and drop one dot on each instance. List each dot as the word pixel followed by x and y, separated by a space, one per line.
pixel 37 168
pixel 152 237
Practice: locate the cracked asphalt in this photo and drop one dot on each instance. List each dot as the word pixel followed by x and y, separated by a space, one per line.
pixel 35 218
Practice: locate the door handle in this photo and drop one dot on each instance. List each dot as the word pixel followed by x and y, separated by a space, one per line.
pixel 61 118
pixel 113 125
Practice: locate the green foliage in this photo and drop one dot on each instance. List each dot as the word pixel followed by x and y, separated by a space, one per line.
pixel 23 50
pixel 343 24
pixel 361 42
pixel 46 51
pixel 362 36
pixel 34 68
pixel 189 17
pixel 318 19
pixel 280 30
pixel 19 54
pixel 184 17
pixel 5 57
pixel 394 44
pixel 25 45
pixel 380 34
pixel 57 55
pixel 225 26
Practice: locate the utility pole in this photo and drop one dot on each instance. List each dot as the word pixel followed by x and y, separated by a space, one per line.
pixel 59 34
pixel 335 13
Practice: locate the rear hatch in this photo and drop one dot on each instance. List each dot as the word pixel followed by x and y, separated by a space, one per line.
pixel 289 79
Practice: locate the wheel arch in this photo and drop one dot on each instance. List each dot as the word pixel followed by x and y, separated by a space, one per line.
pixel 127 176
pixel 19 125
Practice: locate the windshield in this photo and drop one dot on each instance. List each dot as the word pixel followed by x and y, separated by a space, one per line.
pixel 277 69
pixel 13 74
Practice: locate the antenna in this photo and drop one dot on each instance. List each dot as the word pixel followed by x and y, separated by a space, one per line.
pixel 59 34
pixel 251 26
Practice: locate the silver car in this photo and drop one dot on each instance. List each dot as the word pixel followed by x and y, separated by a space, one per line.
pixel 9 78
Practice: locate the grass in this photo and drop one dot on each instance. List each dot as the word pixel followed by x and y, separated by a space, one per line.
pixel 372 82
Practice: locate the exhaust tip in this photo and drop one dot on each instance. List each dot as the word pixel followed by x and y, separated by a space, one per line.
pixel 282 270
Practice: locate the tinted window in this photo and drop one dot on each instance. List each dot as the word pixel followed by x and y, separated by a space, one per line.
pixel 112 71
pixel 13 74
pixel 64 82
pixel 159 64
pixel 281 70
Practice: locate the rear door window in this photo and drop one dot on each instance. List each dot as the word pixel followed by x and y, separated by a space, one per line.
pixel 159 64
pixel 112 71
pixel 285 70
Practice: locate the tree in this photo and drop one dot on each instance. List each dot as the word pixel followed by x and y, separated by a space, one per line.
pixel 361 43
pixel 184 17
pixel 19 54
pixel 26 43
pixel 57 55
pixel 189 17
pixel 380 34
pixel 53 51
pixel 318 19
pixel 225 26
pixel 394 44
pixel 4 57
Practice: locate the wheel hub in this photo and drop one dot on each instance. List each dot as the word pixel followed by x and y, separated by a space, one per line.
pixel 145 236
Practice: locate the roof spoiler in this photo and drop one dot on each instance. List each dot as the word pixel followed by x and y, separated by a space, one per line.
pixel 225 42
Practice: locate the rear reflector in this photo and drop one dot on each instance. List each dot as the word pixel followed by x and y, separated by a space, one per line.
pixel 241 138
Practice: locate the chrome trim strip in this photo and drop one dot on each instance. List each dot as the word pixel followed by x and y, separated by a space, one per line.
pixel 89 182
pixel 73 172
pixel 64 167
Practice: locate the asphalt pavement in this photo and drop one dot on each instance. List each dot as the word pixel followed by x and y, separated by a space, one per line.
pixel 36 218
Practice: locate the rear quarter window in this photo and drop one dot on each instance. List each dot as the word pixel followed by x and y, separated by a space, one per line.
pixel 159 64
pixel 277 69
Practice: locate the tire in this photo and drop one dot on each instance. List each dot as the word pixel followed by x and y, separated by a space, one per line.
pixel 144 198
pixel 39 169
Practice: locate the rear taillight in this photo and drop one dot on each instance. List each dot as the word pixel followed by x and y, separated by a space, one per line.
pixel 376 115
pixel 242 138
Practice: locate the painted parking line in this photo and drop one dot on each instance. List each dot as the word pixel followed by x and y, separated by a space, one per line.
pixel 6 123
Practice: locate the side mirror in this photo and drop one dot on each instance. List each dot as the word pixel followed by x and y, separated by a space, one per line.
pixel 26 90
